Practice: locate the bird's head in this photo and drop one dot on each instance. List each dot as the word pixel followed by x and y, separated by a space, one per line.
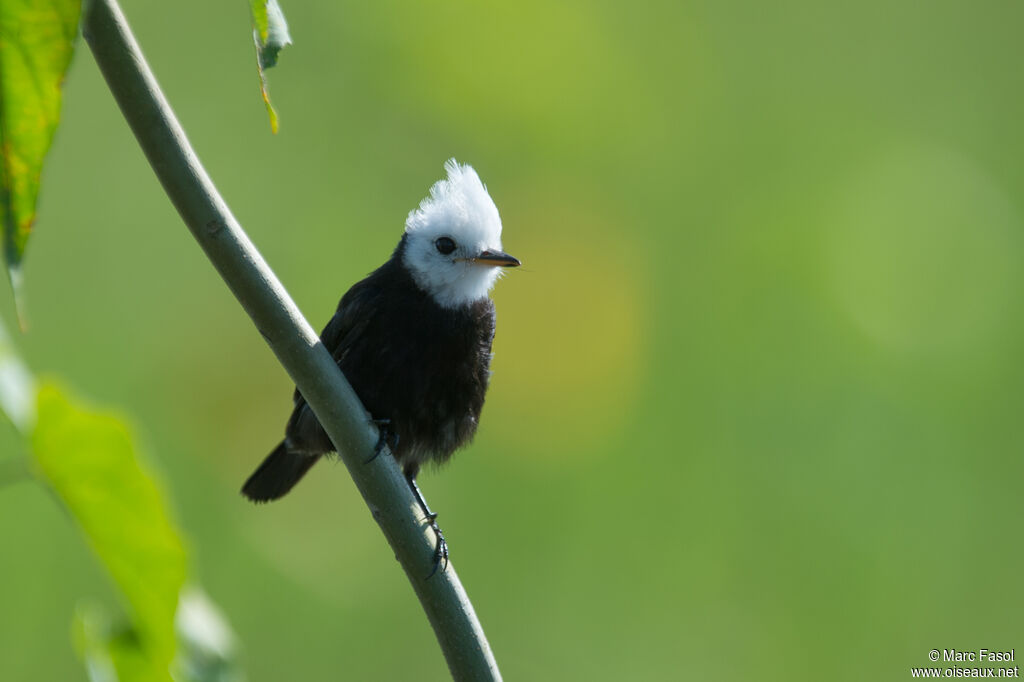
pixel 453 240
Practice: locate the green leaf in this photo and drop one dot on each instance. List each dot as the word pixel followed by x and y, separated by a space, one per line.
pixel 90 461
pixel 111 652
pixel 36 43
pixel 270 33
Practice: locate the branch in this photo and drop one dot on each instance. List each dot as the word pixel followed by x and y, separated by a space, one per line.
pixel 296 345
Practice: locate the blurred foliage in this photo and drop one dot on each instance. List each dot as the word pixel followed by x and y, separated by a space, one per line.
pixel 270 33
pixel 88 461
pixel 754 412
pixel 36 41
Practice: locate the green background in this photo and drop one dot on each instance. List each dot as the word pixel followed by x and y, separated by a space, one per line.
pixel 755 411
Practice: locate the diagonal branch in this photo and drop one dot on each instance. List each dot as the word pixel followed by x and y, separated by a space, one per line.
pixel 291 338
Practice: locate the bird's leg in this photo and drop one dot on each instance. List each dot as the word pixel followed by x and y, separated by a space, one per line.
pixel 386 437
pixel 441 548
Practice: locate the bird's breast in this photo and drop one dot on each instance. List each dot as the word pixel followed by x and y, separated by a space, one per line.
pixel 428 375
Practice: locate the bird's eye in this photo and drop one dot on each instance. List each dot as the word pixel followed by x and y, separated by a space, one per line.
pixel 445 245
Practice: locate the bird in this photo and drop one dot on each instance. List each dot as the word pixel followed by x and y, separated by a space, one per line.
pixel 414 340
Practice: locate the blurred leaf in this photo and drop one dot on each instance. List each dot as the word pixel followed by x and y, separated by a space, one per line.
pixel 270 33
pixel 111 652
pixel 206 651
pixel 17 387
pixel 91 463
pixel 36 42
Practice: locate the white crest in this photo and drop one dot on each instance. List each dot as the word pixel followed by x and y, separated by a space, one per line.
pixel 460 209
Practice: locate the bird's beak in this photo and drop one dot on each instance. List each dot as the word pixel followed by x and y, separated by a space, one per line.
pixel 496 259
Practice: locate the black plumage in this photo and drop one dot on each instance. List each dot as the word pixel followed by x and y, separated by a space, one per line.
pixel 414 340
pixel 420 368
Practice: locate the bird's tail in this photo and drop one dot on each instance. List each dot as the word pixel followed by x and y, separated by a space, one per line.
pixel 280 471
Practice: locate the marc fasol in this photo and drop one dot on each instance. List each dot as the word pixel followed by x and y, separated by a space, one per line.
pixel 981 655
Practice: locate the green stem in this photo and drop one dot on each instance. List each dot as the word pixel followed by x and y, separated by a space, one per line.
pixel 291 338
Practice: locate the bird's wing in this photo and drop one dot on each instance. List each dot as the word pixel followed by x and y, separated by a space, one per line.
pixel 349 322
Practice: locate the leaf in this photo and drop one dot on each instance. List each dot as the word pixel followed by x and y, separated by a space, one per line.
pixel 270 33
pixel 89 460
pixel 111 652
pixel 206 651
pixel 17 387
pixel 36 44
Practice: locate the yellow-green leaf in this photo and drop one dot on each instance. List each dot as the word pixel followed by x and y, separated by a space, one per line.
pixel 91 462
pixel 112 652
pixel 270 33
pixel 36 42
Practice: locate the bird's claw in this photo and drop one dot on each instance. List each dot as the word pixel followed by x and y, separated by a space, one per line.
pixel 440 549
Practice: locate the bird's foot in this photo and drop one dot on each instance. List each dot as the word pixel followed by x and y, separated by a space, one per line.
pixel 386 437
pixel 440 549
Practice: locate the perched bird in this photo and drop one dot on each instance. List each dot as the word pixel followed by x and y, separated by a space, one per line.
pixel 414 340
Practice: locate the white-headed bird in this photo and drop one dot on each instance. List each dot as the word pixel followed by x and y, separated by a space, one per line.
pixel 414 340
